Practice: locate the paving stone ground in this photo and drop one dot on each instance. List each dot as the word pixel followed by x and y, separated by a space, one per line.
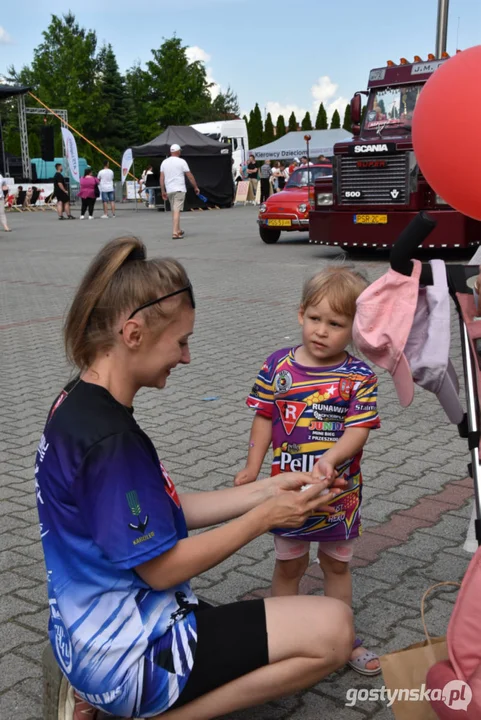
pixel 417 501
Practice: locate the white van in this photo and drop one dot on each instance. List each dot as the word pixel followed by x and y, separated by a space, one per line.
pixel 229 131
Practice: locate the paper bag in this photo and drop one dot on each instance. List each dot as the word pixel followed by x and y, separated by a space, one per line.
pixel 405 671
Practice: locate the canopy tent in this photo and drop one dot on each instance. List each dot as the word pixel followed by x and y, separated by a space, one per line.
pixel 7 91
pixel 293 145
pixel 209 161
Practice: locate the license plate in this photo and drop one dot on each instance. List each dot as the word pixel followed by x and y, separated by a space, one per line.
pixel 279 223
pixel 370 219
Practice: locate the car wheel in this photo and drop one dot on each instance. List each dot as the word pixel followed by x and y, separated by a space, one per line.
pixel 269 236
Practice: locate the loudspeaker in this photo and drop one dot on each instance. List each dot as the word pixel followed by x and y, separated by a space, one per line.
pixel 47 143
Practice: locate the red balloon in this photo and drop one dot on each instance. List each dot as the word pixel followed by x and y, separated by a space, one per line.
pixel 445 131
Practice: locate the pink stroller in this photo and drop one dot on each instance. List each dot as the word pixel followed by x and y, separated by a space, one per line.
pixel 464 630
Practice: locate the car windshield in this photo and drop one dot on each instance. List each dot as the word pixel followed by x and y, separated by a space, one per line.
pixel 305 176
pixel 392 106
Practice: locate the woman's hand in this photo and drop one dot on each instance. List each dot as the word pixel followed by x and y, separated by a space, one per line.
pixel 292 507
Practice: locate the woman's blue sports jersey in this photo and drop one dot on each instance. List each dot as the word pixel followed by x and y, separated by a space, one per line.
pixel 106 505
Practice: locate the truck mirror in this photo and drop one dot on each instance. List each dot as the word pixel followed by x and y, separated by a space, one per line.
pixel 356 109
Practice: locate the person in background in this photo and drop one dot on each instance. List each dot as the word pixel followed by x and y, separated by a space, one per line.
pixel 143 185
pixel 172 182
pixel 87 194
pixel 60 192
pixel 106 187
pixel 293 166
pixel 305 162
pixel 276 173
pixel 322 159
pixel 281 180
pixel 3 217
pixel 252 174
pixel 265 173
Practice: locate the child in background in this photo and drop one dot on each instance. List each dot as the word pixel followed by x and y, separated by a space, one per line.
pixel 316 404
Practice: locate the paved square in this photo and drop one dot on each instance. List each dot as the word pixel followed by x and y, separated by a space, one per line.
pixel 416 503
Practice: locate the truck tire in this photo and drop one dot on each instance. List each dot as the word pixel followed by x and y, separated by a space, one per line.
pixel 269 236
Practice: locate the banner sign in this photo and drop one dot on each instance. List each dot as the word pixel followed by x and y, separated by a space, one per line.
pixel 71 153
pixel 127 161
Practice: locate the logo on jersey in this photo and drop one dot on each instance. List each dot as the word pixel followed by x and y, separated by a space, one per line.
pixel 169 486
pixel 135 509
pixel 290 412
pixel 345 388
pixel 283 382
pixel 63 646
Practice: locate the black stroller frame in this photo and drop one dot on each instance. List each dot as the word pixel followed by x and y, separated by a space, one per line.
pixel 405 248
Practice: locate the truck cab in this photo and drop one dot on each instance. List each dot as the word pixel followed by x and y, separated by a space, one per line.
pixel 377 185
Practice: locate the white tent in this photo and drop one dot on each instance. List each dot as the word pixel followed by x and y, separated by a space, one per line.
pixel 293 145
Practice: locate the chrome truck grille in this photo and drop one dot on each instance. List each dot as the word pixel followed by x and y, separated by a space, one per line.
pixel 373 181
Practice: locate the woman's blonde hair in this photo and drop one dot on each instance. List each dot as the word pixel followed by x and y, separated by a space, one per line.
pixel 119 279
pixel 340 285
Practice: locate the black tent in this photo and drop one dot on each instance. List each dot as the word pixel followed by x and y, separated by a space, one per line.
pixel 210 162
pixel 7 91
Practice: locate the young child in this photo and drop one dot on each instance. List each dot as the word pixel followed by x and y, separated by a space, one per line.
pixel 316 404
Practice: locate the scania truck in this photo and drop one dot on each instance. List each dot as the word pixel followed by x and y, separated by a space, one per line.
pixel 377 186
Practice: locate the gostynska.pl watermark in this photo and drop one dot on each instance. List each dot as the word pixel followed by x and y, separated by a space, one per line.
pixel 456 694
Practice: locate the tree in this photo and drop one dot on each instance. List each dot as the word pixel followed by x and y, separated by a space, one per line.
pixel 306 122
pixel 268 135
pixel 226 105
pixel 335 120
pixel 120 129
pixel 363 112
pixel 280 126
pixel 347 122
pixel 178 91
pixel 292 125
pixel 321 119
pixel 255 128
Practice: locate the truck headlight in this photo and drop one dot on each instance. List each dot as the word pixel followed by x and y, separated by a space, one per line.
pixel 262 208
pixel 324 198
pixel 302 207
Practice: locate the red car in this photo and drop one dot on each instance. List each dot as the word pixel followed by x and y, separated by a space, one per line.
pixel 289 209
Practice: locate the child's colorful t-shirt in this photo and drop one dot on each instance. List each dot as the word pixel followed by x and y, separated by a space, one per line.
pixel 310 409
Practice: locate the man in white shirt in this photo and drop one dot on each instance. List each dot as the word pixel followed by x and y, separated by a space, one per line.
pixel 106 188
pixel 172 182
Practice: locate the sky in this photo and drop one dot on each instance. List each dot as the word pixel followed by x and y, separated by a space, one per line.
pixel 281 54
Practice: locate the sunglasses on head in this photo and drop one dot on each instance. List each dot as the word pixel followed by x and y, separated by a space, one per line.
pixel 188 289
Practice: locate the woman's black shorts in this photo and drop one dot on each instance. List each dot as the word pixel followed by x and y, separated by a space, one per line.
pixel 231 642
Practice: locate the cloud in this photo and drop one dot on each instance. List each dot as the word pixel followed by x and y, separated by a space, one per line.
pixel 5 38
pixel 276 109
pixel 195 53
pixel 324 89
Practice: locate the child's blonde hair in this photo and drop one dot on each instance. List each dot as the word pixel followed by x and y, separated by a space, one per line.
pixel 340 285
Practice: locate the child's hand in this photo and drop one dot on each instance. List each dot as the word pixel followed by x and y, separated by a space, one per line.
pixel 324 469
pixel 243 477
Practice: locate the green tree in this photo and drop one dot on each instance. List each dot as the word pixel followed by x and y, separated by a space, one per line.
pixel 268 135
pixel 255 128
pixel 292 124
pixel 178 91
pixel 321 119
pixel 226 105
pixel 306 123
pixel 120 129
pixel 335 120
pixel 347 122
pixel 363 112
pixel 280 126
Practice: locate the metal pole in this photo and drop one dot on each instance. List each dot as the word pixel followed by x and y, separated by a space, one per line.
pixel 22 124
pixel 442 27
pixel 135 181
